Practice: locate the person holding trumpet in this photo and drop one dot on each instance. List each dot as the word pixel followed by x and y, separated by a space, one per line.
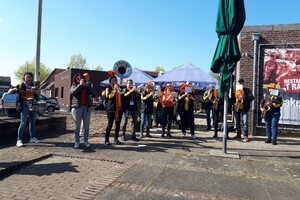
pixel 271 103
pixel 243 98
pixel 147 108
pixel 113 108
pixel 186 100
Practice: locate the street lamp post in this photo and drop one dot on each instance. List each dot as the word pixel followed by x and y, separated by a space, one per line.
pixel 38 45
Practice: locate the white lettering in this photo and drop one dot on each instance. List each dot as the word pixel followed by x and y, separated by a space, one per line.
pixel 292 102
pixel 295 86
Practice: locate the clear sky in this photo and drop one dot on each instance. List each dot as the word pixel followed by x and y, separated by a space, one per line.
pixel 146 33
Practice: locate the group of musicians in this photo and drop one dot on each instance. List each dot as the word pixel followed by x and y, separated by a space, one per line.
pixel 239 104
pixel 125 101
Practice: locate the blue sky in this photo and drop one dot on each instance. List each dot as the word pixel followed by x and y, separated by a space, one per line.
pixel 146 33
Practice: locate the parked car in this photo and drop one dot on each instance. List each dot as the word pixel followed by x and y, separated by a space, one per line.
pixel 8 103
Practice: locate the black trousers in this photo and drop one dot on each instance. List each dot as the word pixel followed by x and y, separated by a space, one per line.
pixel 111 119
pixel 167 119
pixel 187 120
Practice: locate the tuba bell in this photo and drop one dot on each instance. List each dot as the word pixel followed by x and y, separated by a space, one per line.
pixel 123 69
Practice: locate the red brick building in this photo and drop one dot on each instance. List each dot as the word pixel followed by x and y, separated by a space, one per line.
pixel 255 42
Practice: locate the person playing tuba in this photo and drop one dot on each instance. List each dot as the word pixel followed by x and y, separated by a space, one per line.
pixel 243 98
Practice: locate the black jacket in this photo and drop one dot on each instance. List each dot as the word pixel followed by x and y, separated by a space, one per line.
pixel 75 93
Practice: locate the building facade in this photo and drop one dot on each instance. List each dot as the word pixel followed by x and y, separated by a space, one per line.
pixel 272 54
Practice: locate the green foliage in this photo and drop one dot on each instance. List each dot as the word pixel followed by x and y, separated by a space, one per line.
pixel 77 61
pixel 158 69
pixel 29 66
pixel 99 68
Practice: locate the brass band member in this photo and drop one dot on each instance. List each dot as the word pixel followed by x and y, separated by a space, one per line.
pixel 208 98
pixel 185 108
pixel 218 108
pixel 26 90
pixel 158 109
pixel 273 101
pixel 147 108
pixel 113 108
pixel 167 101
pixel 243 98
pixel 130 108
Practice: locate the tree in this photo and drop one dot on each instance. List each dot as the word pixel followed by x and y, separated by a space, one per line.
pixel 29 66
pixel 77 61
pixel 159 69
pixel 99 68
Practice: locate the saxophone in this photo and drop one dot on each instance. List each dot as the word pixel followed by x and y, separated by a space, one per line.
pixel 264 109
pixel 239 100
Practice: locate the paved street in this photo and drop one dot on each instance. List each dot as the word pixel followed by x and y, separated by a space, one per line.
pixel 153 168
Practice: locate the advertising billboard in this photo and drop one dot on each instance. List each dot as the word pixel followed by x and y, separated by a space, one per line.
pixel 282 66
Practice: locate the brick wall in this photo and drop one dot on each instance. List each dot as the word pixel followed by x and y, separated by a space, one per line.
pixel 273 36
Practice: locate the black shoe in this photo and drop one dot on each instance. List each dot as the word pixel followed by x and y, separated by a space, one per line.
pixel 274 142
pixel 208 129
pixel 268 140
pixel 169 136
pixel 118 142
pixel 134 139
pixel 162 135
pixel 215 136
pixel 237 137
pixel 124 138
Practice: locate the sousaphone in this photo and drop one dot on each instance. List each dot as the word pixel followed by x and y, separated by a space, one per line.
pixel 123 69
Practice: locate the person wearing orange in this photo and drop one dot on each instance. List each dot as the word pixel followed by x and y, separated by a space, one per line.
pixel 243 98
pixel 270 106
pixel 185 108
pixel 113 108
pixel 26 90
pixel 167 101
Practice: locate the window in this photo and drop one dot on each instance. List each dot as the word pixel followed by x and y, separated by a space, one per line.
pixel 62 92
pixel 56 92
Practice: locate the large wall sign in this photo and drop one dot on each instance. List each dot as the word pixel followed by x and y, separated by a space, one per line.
pixel 282 66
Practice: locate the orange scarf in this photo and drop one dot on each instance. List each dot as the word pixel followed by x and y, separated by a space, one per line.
pixel 118 103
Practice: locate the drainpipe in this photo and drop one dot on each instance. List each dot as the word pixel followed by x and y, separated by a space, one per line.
pixel 255 38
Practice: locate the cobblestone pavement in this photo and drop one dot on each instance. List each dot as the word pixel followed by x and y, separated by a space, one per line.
pixel 153 168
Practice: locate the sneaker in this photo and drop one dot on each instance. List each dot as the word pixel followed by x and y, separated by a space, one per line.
pixel 19 143
pixel 87 145
pixel 246 139
pixel 194 137
pixel 76 145
pixel 34 140
pixel 107 143
pixel 81 133
pixel 274 142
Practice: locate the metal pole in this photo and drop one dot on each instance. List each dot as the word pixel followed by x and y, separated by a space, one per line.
pixel 38 45
pixel 255 38
pixel 225 122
